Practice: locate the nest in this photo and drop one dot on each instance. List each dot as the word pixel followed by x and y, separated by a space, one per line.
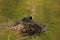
pixel 27 26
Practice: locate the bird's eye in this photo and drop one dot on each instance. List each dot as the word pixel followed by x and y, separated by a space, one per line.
pixel 30 17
